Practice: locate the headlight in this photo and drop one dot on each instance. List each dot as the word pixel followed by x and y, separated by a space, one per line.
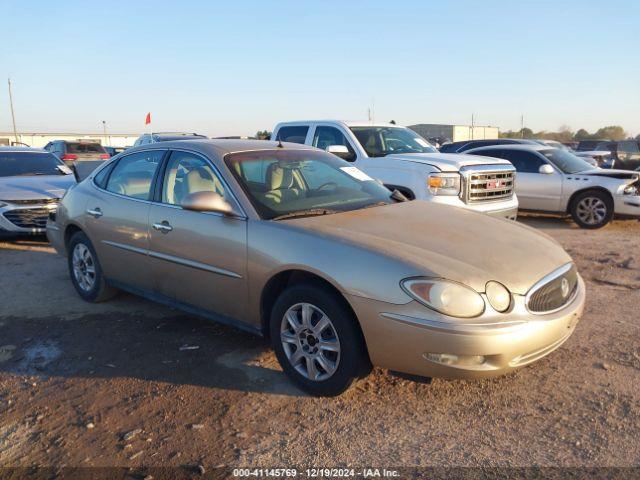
pixel 444 183
pixel 498 295
pixel 445 296
pixel 630 189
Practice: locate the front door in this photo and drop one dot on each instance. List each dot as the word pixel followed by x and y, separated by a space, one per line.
pixel 197 258
pixel 535 190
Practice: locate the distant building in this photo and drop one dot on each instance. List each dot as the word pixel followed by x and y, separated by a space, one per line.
pixel 455 133
pixel 40 139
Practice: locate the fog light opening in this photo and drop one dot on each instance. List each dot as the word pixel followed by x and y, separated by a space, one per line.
pixel 455 360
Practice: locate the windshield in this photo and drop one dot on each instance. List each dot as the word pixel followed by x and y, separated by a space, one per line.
pixel 591 145
pixel 305 182
pixel 22 164
pixel 382 141
pixel 566 161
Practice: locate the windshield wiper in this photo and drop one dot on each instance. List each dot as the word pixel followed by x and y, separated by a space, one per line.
pixel 306 213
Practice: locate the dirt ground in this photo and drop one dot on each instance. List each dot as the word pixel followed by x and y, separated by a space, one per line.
pixel 123 384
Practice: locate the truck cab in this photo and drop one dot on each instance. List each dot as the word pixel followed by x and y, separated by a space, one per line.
pixel 403 160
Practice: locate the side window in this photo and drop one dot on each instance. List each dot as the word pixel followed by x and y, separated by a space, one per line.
pixel 525 162
pixel 492 152
pixel 628 150
pixel 295 134
pixel 101 177
pixel 327 136
pixel 187 173
pixel 133 174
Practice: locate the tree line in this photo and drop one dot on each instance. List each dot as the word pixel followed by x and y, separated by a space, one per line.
pixel 565 134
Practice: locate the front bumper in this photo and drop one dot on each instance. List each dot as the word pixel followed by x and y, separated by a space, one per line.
pixel 56 237
pixel 403 338
pixel 628 205
pixel 25 220
pixel 503 209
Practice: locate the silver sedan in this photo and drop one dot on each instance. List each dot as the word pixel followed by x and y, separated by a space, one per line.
pixel 556 181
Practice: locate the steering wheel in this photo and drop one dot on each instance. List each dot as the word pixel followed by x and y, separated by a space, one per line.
pixel 327 184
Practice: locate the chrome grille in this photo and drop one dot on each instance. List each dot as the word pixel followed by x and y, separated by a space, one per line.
pixel 487 186
pixel 41 201
pixel 28 217
pixel 554 291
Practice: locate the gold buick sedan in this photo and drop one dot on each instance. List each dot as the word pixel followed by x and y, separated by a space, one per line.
pixel 299 246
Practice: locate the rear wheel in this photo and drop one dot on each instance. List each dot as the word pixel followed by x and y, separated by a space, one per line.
pixel 592 209
pixel 317 340
pixel 85 271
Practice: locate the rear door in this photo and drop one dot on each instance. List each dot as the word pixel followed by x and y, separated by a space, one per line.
pixel 118 218
pixel 197 258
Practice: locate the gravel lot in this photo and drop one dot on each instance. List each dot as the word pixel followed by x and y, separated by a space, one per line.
pixel 116 384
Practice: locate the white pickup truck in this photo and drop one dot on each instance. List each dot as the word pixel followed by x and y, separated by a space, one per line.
pixel 403 160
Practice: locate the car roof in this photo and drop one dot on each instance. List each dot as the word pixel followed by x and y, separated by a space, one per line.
pixel 22 149
pixel 524 141
pixel 221 147
pixel 177 134
pixel 532 146
pixel 346 123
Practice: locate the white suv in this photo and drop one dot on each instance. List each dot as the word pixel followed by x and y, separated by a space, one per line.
pixel 403 160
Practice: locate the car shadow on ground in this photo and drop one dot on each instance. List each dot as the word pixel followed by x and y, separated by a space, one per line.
pixel 177 349
pixel 547 222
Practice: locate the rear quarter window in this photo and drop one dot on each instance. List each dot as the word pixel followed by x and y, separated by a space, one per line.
pixel 294 134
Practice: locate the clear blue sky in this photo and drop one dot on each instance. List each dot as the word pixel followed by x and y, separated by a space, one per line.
pixel 234 67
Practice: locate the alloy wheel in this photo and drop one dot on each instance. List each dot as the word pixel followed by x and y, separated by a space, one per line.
pixel 310 341
pixel 84 267
pixel 591 210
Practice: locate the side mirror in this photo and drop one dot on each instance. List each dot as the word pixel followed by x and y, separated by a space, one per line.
pixel 340 151
pixel 546 169
pixel 206 202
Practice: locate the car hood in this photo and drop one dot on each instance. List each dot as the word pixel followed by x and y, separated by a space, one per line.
pixel 588 153
pixel 448 162
pixel 612 173
pixel 35 187
pixel 447 242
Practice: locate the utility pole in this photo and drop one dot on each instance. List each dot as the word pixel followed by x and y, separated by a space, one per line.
pixel 522 126
pixel 13 115
pixel 104 131
pixel 473 119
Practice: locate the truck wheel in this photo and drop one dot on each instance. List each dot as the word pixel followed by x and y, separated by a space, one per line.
pixel 85 271
pixel 317 340
pixel 592 209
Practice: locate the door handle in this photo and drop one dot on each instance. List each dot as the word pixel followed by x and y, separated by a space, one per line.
pixel 95 213
pixel 163 227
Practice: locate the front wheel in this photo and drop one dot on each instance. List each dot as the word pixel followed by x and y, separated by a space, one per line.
pixel 317 340
pixel 592 209
pixel 85 271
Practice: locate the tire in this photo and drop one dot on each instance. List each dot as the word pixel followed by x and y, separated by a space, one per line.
pixel 81 251
pixel 592 209
pixel 335 370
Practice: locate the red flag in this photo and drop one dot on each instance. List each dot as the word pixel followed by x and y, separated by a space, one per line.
pixel 147 120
